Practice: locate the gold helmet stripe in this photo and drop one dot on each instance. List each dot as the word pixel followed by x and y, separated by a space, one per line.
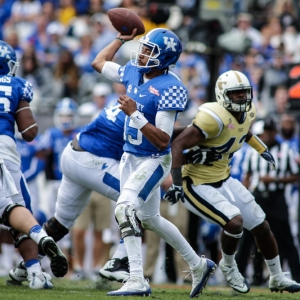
pixel 238 76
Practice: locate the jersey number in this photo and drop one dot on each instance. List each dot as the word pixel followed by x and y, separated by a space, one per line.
pixel 225 148
pixel 4 101
pixel 136 137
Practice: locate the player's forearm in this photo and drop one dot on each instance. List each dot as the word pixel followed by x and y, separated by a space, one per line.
pixel 156 136
pixel 178 158
pixel 177 131
pixel 107 54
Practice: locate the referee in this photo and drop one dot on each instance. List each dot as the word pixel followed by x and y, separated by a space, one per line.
pixel 268 188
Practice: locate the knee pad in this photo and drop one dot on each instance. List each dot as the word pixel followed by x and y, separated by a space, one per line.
pixel 128 222
pixel 5 216
pixel 18 237
pixel 54 229
pixel 236 236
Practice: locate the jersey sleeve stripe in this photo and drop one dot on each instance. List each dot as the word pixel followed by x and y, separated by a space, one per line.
pixel 216 117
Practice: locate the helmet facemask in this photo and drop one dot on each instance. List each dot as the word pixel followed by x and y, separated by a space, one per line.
pixel 144 48
pixel 237 104
pixel 13 67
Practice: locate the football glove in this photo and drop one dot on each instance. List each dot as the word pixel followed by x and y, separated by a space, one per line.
pixel 174 194
pixel 269 158
pixel 202 156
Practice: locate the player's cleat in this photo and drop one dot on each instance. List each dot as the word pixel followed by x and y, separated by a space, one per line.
pixel 19 275
pixel 234 278
pixel 39 281
pixel 282 283
pixel 116 269
pixel 58 262
pixel 133 287
pixel 201 275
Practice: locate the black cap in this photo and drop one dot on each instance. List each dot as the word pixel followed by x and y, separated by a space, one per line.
pixel 270 124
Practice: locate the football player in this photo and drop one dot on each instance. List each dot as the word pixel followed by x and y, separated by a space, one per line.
pixel 154 98
pixel 16 94
pixel 212 194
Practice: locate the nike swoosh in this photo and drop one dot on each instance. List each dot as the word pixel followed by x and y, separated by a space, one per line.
pixel 142 95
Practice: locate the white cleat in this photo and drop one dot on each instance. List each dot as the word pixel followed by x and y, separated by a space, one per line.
pixel 234 278
pixel 133 287
pixel 39 281
pixel 201 275
pixel 282 283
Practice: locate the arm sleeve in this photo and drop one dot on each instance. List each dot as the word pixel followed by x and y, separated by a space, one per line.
pixel 165 120
pixel 111 71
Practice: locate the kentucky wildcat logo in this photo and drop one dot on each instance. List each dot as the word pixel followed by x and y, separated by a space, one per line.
pixel 4 52
pixel 170 43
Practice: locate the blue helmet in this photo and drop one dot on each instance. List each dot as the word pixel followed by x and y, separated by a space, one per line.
pixel 165 50
pixel 8 59
pixel 65 114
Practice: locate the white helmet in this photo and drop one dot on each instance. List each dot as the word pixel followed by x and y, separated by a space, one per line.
pixel 232 81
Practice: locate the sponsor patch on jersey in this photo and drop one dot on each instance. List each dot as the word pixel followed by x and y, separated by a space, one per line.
pixel 230 126
pixel 153 90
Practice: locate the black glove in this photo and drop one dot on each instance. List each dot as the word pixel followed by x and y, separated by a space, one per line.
pixel 174 194
pixel 269 158
pixel 202 156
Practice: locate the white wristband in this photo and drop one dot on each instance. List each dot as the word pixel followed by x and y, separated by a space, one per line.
pixel 29 127
pixel 138 119
pixel 26 107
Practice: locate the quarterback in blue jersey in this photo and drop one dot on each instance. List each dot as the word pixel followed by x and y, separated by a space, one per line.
pixel 16 94
pixel 151 104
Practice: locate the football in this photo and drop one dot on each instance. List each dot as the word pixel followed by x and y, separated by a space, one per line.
pixel 125 20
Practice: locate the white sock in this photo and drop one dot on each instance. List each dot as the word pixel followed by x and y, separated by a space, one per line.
pixel 274 266
pixel 133 246
pixel 170 233
pixel 121 250
pixel 33 266
pixel 228 259
pixel 37 233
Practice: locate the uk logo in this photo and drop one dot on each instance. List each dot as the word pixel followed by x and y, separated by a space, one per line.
pixel 129 88
pixel 4 52
pixel 170 43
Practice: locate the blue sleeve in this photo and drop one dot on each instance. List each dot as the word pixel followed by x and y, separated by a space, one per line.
pixel 36 166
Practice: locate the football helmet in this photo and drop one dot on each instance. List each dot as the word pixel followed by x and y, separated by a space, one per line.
pixel 65 114
pixel 165 49
pixel 229 82
pixel 8 60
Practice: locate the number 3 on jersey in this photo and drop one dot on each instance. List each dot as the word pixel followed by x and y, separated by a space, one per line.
pixel 131 133
pixel 4 101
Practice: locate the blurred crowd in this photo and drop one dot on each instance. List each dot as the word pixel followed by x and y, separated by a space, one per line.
pixel 56 41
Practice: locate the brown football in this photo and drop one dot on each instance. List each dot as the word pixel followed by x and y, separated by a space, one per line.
pixel 125 20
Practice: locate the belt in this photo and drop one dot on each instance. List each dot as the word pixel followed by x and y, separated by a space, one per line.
pixel 75 145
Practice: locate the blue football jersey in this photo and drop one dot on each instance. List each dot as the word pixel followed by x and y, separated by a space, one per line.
pixel 30 164
pixel 104 136
pixel 12 91
pixel 54 139
pixel 165 92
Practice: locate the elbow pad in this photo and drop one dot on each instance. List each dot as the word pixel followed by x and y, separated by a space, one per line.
pixel 256 143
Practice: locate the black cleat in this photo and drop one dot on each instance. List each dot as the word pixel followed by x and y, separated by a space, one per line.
pixel 58 261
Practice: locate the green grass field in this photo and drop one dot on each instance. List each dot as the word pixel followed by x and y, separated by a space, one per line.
pixel 65 289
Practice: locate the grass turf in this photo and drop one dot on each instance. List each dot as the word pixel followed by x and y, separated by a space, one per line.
pixel 65 289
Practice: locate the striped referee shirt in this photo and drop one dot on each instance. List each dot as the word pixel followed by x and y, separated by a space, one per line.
pixel 286 164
